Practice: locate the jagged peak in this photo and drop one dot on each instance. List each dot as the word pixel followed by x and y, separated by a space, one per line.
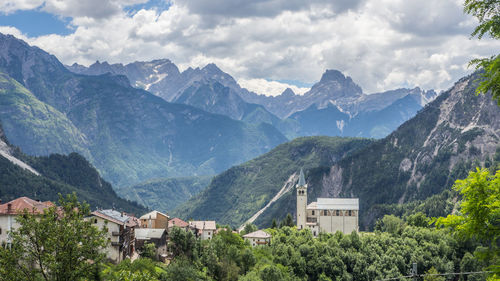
pixel 333 75
pixel 288 93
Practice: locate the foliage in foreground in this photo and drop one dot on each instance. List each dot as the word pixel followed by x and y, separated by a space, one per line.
pixel 56 245
pixel 479 215
pixel 488 14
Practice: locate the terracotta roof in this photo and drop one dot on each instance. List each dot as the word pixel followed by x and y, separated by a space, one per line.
pixel 152 215
pixel 177 222
pixel 257 234
pixel 203 225
pixel 17 206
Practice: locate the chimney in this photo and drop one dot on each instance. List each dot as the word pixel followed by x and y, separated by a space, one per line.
pixel 123 214
pixel 9 208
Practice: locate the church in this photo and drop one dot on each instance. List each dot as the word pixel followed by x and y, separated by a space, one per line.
pixel 327 214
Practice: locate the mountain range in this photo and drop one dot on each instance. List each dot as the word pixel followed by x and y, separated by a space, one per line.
pixel 423 157
pixel 128 134
pixel 340 103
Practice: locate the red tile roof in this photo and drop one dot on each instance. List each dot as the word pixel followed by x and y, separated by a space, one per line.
pixel 17 206
pixel 177 222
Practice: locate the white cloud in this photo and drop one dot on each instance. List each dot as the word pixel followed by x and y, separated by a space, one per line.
pixel 381 44
pixel 269 88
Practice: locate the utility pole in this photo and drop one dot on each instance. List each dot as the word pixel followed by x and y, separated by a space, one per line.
pixel 414 272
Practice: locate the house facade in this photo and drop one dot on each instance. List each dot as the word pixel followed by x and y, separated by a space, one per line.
pixel 12 209
pixel 326 214
pixel 157 236
pixel 204 230
pixel 258 238
pixel 121 232
pixel 154 219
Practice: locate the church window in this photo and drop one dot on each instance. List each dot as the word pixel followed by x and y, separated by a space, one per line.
pixel 337 213
pixel 313 213
pixel 325 213
pixel 350 213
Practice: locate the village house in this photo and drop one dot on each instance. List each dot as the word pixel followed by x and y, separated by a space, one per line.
pixel 121 232
pixel 258 238
pixel 154 219
pixel 157 236
pixel 12 209
pixel 204 230
pixel 177 222
pixel 327 214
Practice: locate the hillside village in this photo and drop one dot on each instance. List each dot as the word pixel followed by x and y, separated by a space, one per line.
pixel 128 234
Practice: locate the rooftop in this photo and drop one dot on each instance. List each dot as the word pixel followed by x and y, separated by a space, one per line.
pixel 257 234
pixel 17 206
pixel 149 233
pixel 302 180
pixel 152 215
pixel 335 204
pixel 202 225
pixel 112 215
pixel 177 222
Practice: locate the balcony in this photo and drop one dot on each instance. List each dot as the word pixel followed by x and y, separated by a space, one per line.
pixel 313 220
pixel 115 243
pixel 116 233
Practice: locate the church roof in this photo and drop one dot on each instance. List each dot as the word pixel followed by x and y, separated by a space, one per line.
pixel 302 180
pixel 335 204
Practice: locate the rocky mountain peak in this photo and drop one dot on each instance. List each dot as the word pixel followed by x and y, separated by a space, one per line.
pixel 288 93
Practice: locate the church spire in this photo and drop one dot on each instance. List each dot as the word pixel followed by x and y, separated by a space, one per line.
pixel 302 180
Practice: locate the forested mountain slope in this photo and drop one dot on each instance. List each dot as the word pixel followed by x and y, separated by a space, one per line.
pixel 44 178
pixel 236 194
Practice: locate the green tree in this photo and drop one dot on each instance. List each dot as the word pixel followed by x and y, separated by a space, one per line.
pixel 274 225
pixel 479 216
pixel 488 14
pixel 432 275
pixel 391 224
pixel 182 243
pixel 249 228
pixel 58 244
pixel 288 221
pixel 149 251
pixel 418 219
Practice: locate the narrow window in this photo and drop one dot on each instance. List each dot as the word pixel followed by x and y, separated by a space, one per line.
pixel 95 220
pixel 325 213
pixel 313 213
pixel 0 230
pixel 350 214
pixel 337 213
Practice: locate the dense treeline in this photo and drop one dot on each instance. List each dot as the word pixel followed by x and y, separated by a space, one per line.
pixel 60 174
pixel 296 255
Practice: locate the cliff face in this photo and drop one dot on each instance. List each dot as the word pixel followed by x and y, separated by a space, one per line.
pixel 424 156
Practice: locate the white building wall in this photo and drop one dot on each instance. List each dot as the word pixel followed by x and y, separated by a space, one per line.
pixel 112 252
pixel 301 207
pixel 7 224
pixel 254 241
pixel 207 234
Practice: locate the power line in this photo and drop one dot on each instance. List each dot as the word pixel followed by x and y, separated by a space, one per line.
pixel 435 274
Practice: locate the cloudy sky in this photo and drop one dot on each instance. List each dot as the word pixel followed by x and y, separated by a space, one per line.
pixel 265 45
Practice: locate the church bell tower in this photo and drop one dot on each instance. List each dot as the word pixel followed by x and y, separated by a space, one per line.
pixel 301 201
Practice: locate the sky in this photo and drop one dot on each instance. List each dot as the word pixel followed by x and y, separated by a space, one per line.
pixel 266 45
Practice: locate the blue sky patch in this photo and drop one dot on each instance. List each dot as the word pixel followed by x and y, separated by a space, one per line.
pixel 35 23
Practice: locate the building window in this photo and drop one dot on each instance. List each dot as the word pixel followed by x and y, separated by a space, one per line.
pixel 313 213
pixel 0 230
pixel 350 214
pixel 95 220
pixel 314 233
pixel 325 213
pixel 337 213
